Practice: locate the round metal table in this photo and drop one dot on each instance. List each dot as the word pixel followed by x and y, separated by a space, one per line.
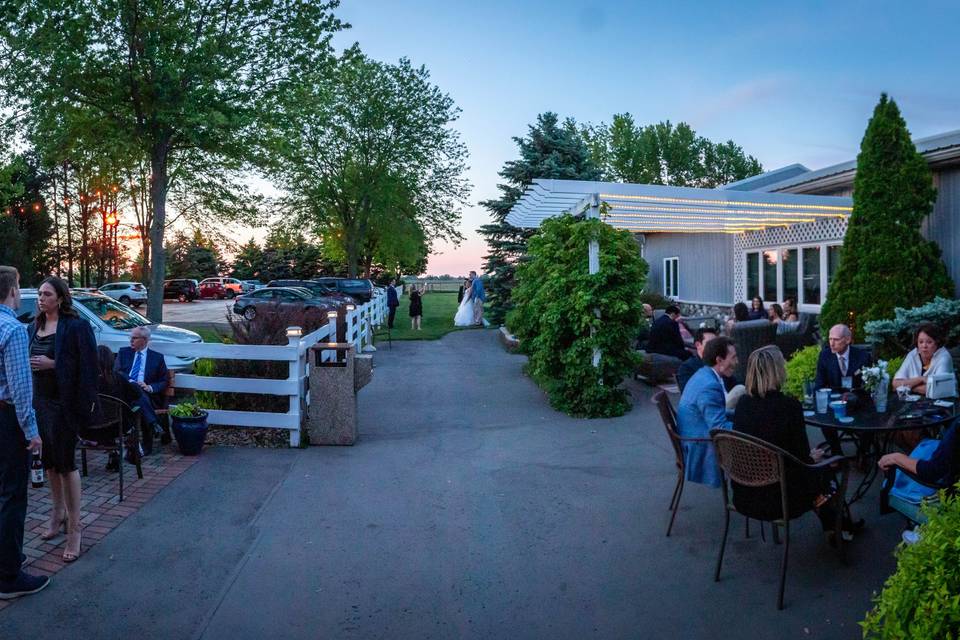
pixel 875 430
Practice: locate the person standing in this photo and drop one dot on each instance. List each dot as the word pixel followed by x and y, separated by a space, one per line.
pixel 478 297
pixel 146 371
pixel 393 301
pixel 63 357
pixel 19 441
pixel 416 306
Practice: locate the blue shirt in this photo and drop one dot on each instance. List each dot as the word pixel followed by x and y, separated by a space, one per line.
pixel 16 380
pixel 477 289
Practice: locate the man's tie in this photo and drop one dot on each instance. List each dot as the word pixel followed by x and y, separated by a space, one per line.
pixel 843 365
pixel 135 369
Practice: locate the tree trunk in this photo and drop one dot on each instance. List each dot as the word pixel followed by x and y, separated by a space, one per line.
pixel 158 196
pixel 66 213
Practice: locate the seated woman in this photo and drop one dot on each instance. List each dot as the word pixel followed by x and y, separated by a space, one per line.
pixel 940 468
pixel 779 318
pixel 740 314
pixel 927 357
pixel 790 310
pixel 757 312
pixel 766 413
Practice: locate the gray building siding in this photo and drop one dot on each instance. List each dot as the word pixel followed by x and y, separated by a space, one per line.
pixel 943 225
pixel 706 264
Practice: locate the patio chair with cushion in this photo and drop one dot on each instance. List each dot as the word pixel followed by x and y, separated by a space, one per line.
pixel 804 336
pixel 891 502
pixel 117 432
pixel 748 336
pixel 753 462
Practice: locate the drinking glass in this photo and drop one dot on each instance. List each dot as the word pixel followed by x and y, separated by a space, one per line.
pixel 846 382
pixel 809 388
pixel 823 399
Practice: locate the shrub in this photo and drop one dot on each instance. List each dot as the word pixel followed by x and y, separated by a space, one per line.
pixel 919 601
pixel 555 315
pixel 885 260
pixel 655 300
pixel 892 337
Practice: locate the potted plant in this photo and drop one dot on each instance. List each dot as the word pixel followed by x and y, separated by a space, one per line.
pixel 189 423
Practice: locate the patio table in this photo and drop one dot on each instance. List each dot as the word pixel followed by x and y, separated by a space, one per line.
pixel 875 430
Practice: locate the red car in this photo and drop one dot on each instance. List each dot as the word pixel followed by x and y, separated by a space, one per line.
pixel 220 288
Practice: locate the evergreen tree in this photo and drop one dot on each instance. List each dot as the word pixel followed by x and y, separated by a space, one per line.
pixel 246 264
pixel 551 150
pixel 886 262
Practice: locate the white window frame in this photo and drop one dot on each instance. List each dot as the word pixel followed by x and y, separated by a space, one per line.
pixel 668 291
pixel 823 245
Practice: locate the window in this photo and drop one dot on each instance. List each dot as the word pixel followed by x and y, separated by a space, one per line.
pixel 789 267
pixel 770 275
pixel 753 275
pixel 833 261
pixel 671 277
pixel 811 276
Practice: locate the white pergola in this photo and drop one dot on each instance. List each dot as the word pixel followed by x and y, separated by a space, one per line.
pixel 651 208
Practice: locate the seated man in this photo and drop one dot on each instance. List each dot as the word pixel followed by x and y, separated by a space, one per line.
pixel 703 407
pixel 693 364
pixel 836 361
pixel 665 335
pixel 147 372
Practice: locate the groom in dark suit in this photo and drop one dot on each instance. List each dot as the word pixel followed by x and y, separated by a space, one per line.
pixel 146 370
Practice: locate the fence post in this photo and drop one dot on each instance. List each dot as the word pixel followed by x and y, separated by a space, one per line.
pixel 294 373
pixel 368 326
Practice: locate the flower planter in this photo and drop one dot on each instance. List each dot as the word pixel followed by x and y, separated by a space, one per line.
pixel 190 433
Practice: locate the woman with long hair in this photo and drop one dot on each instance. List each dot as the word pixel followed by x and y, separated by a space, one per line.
pixel 63 357
pixel 757 311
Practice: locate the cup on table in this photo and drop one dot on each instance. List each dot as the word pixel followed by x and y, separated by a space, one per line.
pixel 839 409
pixel 823 399
pixel 847 382
pixel 902 392
pixel 809 388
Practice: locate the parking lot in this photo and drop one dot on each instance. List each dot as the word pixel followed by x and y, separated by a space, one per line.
pixel 212 311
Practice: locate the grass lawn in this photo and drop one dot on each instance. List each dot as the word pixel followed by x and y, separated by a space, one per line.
pixel 438 312
pixel 208 334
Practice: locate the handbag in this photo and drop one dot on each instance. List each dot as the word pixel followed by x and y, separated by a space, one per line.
pixel 941 385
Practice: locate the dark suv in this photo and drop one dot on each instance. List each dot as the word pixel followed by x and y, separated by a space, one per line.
pixel 181 289
pixel 361 290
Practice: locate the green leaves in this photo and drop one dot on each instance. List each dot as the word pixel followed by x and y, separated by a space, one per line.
pixel 554 317
pixel 886 262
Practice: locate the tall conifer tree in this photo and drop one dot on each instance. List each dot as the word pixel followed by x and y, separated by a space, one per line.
pixel 886 262
pixel 553 150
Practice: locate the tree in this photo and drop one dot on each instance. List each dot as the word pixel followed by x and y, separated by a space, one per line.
pixel 165 78
pixel 665 154
pixel 193 256
pixel 26 234
pixel 366 144
pixel 886 262
pixel 247 263
pixel 554 316
pixel 551 149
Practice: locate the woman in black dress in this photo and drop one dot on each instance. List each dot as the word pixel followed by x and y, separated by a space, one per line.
pixel 416 306
pixel 63 358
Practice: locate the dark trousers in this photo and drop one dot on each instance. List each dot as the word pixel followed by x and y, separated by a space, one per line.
pixel 14 473
pixel 390 317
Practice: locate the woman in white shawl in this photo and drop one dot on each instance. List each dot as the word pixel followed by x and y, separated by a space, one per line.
pixel 927 357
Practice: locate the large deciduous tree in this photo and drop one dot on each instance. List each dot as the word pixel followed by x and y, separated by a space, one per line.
pixel 368 149
pixel 551 149
pixel 166 78
pixel 886 262
pixel 664 153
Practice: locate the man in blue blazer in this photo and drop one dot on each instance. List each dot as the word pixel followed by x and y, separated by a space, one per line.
pixel 146 370
pixel 839 359
pixel 703 406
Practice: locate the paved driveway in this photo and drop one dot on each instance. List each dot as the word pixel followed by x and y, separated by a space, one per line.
pixel 469 509
pixel 211 311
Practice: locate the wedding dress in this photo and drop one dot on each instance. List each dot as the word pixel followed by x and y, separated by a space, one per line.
pixel 464 317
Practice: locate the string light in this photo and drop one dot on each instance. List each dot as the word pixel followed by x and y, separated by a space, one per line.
pixel 823 207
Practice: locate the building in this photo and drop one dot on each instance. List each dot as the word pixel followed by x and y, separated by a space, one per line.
pixel 776 235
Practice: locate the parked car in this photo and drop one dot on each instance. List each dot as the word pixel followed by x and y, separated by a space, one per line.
pixel 220 288
pixel 273 299
pixel 112 322
pixel 251 285
pixel 132 294
pixel 361 290
pixel 316 289
pixel 182 289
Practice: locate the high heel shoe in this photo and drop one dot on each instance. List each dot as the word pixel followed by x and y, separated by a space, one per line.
pixel 71 551
pixel 53 532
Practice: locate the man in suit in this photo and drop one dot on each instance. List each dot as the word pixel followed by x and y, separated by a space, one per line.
pixel 478 296
pixel 695 362
pixel 393 301
pixel 146 370
pixel 836 361
pixel 703 406
pixel 665 335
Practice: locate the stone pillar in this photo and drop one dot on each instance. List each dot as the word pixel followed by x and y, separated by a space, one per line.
pixel 332 415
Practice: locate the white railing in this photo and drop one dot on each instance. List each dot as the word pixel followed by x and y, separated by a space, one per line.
pixel 360 326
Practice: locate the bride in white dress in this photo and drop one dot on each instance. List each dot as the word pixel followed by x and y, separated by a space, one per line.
pixel 464 317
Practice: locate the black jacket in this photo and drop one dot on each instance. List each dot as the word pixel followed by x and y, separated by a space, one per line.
pixel 75 354
pixel 828 367
pixel 665 338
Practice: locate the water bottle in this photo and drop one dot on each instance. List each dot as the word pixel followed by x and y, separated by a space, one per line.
pixel 36 472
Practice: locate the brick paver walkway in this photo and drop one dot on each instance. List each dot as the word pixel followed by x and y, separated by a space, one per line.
pixel 101 510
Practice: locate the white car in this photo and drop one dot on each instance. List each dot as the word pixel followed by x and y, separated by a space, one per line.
pixel 132 294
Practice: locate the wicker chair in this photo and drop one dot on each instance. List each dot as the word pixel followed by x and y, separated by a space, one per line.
pixel 752 462
pixel 120 420
pixel 748 336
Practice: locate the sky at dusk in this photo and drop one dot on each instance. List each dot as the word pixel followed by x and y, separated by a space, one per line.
pixel 794 84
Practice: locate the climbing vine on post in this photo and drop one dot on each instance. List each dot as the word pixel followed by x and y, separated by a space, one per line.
pixel 555 301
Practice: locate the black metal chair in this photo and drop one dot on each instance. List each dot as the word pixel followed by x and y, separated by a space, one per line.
pixel 753 462
pixel 119 431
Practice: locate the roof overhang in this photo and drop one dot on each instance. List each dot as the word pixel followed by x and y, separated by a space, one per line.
pixel 650 208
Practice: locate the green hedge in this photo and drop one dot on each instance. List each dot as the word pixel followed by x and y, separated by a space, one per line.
pixel 921 600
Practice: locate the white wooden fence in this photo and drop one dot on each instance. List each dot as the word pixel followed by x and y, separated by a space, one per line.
pixel 361 323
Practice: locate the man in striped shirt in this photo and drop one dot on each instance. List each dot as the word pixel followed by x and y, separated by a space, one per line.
pixel 19 440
